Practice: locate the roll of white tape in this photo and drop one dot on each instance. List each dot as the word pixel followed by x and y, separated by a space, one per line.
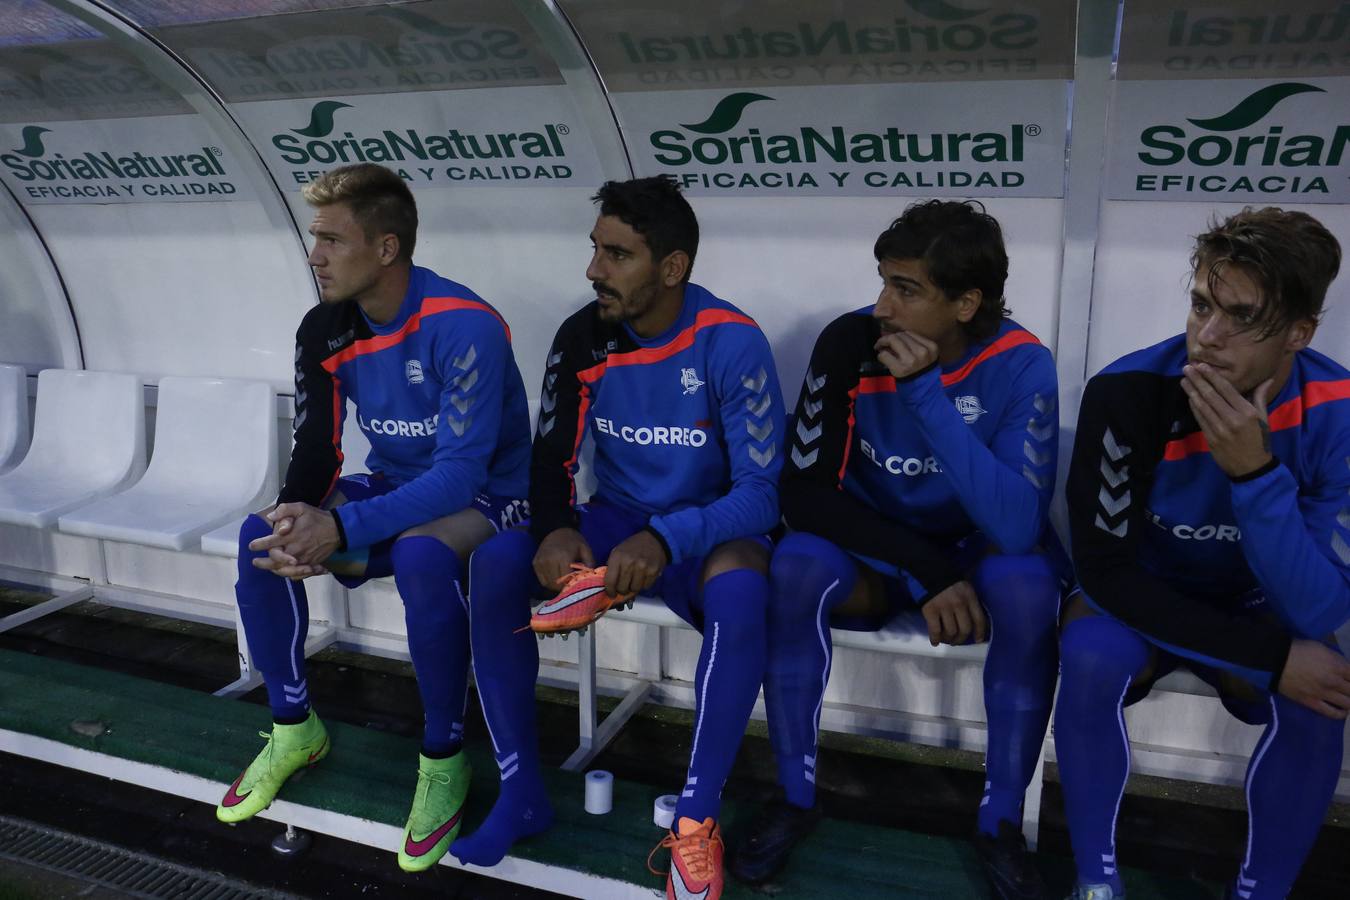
pixel 599 792
pixel 663 813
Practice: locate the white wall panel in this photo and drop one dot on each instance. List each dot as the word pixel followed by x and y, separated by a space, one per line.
pixel 37 329
pixel 795 264
pixel 182 289
pixel 524 251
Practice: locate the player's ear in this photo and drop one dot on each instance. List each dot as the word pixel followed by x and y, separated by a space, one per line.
pixel 968 304
pixel 389 248
pixel 1300 335
pixel 674 268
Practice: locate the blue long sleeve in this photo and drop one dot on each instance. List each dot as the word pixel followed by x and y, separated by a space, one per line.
pixel 1297 544
pixel 750 403
pixel 470 361
pixel 1005 487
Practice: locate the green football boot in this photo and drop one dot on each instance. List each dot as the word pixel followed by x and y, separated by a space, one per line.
pixel 289 749
pixel 437 809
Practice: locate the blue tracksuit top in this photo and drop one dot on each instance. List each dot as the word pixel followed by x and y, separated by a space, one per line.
pixel 687 425
pixel 899 469
pixel 1165 541
pixel 437 393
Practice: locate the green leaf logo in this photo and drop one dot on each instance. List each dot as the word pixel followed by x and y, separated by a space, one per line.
pixel 726 114
pixel 943 11
pixel 422 23
pixel 32 141
pixel 321 119
pixel 1255 107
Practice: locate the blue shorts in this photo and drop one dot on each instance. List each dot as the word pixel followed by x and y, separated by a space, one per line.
pixel 501 512
pixel 1247 702
pixel 605 526
pixel 903 590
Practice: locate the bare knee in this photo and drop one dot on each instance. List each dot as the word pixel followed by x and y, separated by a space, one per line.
pixel 737 554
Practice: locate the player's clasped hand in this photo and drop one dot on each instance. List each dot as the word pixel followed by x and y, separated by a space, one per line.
pixel 1235 427
pixel 904 353
pixel 302 537
pixel 954 615
pixel 634 565
pixel 557 552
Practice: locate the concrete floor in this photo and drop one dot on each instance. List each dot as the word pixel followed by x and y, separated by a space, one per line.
pixel 1174 827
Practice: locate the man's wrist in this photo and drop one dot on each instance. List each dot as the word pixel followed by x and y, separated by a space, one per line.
pixel 341 531
pixel 914 376
pixel 660 539
pixel 1266 468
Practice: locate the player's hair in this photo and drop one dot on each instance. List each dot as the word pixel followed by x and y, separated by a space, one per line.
pixel 1290 255
pixel 962 247
pixel 379 199
pixel 655 209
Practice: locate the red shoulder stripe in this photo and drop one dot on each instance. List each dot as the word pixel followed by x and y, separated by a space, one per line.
pixel 1288 414
pixel 430 307
pixel 685 339
pixel 1002 345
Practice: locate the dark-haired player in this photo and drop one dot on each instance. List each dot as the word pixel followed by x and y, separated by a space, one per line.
pixel 678 390
pixel 920 471
pixel 429 366
pixel 1209 498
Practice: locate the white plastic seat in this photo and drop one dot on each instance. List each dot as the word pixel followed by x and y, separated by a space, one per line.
pixel 214 460
pixel 13 415
pixel 224 541
pixel 905 633
pixel 88 442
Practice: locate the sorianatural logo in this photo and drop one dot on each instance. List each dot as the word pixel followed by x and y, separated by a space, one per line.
pixel 316 143
pixel 719 141
pixel 940 26
pixel 94 173
pixel 1216 143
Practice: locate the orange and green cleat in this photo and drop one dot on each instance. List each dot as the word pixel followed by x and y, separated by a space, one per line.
pixel 581 601
pixel 695 860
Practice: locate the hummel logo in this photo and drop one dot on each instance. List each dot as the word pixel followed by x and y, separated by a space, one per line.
pixel 1113 450
pixel 761 432
pixel 1037 459
pixel 337 342
pixel 1113 478
pixel 468 359
pixel 802 461
pixel 1112 505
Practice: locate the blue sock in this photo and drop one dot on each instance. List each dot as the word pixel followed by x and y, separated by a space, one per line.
pixel 1021 594
pixel 427 574
pixel 1099 658
pixel 505 665
pixel 1290 781
pixel 726 683
pixel 275 615
pixel 808 576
